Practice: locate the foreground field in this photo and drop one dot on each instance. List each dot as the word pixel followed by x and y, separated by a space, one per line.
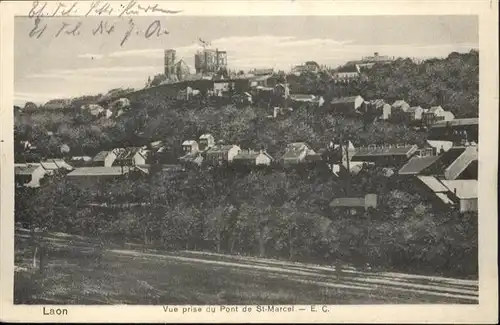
pixel 140 276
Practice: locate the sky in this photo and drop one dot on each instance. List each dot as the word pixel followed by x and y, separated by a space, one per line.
pixel 58 64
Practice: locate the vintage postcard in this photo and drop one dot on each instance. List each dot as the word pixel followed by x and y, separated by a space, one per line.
pixel 249 161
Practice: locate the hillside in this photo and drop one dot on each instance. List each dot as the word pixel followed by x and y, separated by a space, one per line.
pixel 452 82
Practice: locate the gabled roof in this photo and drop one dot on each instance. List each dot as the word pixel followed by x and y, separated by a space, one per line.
pixel 400 103
pixel 444 160
pixel 434 109
pixel 189 142
pixel 250 155
pixel 462 189
pixel 454 170
pixel 100 171
pixel 413 109
pixel 101 156
pixel 220 148
pixel 26 170
pixel 295 150
pixel 416 165
pixel 206 136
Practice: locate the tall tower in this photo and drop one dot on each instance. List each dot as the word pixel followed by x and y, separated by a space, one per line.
pixel 170 69
pixel 221 59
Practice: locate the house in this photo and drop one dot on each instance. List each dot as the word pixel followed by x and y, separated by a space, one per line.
pixel 205 142
pixel 347 73
pixel 221 154
pixel 29 175
pixel 459 194
pixel 346 105
pixel 400 105
pixel 295 153
pixel 414 113
pixel 104 158
pixel 464 193
pixel 456 163
pixel 385 155
pixel 253 158
pixel 131 156
pixel 437 114
pixel 189 146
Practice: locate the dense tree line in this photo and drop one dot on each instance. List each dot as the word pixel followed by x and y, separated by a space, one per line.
pixel 269 213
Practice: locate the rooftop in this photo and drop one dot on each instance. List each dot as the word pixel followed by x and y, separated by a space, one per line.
pixel 385 151
pixel 100 171
pixel 101 156
pixel 25 170
pixel 188 143
pixel 433 183
pixel 249 155
pixel 416 165
pixel 344 100
pixel 220 148
pixel 456 122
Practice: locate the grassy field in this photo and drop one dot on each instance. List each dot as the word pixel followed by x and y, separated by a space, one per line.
pixel 141 276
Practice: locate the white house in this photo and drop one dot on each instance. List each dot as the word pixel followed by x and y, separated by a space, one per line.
pixel 222 154
pixel 253 158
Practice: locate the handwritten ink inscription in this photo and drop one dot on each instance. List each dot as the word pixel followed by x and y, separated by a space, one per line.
pixel 45 27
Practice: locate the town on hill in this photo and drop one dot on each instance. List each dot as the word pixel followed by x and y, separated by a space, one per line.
pixel 371 165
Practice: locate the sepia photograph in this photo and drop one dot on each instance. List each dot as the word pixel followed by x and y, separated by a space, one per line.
pixel 178 160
